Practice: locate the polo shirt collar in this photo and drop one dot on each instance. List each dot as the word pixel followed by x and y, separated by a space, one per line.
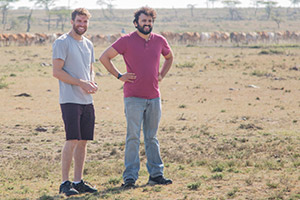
pixel 149 38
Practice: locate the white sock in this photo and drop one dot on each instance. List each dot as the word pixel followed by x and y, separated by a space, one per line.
pixel 76 182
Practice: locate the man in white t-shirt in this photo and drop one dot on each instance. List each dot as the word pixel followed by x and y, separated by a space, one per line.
pixel 73 58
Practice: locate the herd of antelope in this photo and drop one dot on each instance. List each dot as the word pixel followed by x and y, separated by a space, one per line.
pixel 195 38
pixel 186 38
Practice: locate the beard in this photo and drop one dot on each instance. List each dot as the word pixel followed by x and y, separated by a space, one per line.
pixel 141 29
pixel 77 31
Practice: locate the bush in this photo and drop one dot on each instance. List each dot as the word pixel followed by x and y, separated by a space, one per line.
pixel 2 83
pixel 185 65
pixel 194 186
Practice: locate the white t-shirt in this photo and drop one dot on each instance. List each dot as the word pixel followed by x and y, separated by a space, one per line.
pixel 77 56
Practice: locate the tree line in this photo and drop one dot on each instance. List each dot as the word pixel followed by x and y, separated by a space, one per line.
pixel 62 14
pixel 232 6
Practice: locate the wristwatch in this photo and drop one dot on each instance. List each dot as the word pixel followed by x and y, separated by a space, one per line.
pixel 119 76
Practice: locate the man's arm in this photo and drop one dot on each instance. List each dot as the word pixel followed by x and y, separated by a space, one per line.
pixel 106 58
pixel 60 74
pixel 166 66
pixel 92 74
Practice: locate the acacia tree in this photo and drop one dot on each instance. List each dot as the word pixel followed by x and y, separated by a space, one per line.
pixel 191 6
pixel 207 3
pixel 269 5
pixel 231 4
pixel 295 3
pixel 175 12
pixel 102 3
pixel 46 4
pixel 109 6
pixel 255 3
pixel 28 19
pixel 213 2
pixel 4 5
pixel 62 14
pixel 278 19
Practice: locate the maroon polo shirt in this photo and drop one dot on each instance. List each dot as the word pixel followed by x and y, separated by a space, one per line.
pixel 142 58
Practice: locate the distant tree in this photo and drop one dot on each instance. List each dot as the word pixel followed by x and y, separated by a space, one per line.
pixel 175 12
pixel 255 3
pixel 46 4
pixel 62 14
pixel 4 5
pixel 207 3
pixel 278 20
pixel 231 5
pixel 269 5
pixel 191 6
pixel 27 18
pixel 102 4
pixel 295 2
pixel 213 2
pixel 108 4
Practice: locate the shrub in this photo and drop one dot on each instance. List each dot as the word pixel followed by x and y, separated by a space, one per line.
pixel 194 186
pixel 114 181
pixel 2 83
pixel 272 185
pixel 185 65
pixel 217 176
pixel 218 168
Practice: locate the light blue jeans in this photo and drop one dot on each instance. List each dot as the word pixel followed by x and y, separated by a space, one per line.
pixel 140 111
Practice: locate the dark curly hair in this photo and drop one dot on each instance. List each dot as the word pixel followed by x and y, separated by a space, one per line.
pixel 146 11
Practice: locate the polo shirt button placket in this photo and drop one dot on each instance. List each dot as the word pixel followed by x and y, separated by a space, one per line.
pixel 146 45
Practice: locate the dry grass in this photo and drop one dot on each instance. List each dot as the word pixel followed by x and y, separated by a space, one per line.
pixel 229 130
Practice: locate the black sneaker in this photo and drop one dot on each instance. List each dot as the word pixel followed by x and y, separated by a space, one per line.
pixel 84 187
pixel 129 183
pixel 67 189
pixel 160 180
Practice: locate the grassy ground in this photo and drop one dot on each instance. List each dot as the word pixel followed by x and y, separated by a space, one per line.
pixel 229 130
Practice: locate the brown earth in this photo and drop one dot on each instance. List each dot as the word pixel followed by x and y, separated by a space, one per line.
pixel 229 130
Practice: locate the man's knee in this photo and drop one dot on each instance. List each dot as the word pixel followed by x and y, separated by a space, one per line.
pixel 81 143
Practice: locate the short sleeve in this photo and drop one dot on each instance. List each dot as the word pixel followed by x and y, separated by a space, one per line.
pixel 120 45
pixel 91 46
pixel 93 55
pixel 165 47
pixel 59 50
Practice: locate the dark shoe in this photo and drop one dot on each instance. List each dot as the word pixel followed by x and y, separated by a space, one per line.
pixel 84 187
pixel 160 180
pixel 129 183
pixel 67 189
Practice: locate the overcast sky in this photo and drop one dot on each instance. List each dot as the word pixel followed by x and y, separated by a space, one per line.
pixel 91 4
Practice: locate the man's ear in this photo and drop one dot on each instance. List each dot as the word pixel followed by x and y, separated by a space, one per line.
pixel 135 24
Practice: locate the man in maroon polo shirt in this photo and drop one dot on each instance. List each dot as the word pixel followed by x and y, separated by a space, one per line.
pixel 141 51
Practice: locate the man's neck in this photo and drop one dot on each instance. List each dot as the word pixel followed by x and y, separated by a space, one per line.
pixel 146 37
pixel 74 35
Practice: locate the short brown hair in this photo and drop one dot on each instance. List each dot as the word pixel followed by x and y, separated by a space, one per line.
pixel 146 11
pixel 81 11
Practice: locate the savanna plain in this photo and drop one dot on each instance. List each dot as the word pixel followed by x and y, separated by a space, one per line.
pixel 230 126
pixel 229 130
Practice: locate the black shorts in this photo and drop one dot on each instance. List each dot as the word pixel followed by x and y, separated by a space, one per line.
pixel 79 121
